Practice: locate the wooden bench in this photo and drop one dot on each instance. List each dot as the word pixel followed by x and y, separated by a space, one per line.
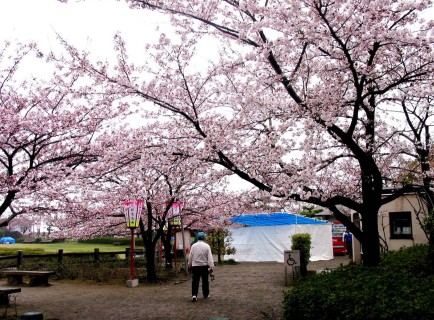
pixel 4 295
pixel 15 277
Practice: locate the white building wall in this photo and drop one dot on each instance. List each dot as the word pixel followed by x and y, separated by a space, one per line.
pixel 405 203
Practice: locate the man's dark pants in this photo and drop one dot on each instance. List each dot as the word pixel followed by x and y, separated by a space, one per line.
pixel 200 272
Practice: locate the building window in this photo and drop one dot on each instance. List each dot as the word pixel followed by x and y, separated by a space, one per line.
pixel 400 225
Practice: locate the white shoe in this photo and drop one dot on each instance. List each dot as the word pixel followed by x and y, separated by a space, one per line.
pixel 206 297
pixel 194 298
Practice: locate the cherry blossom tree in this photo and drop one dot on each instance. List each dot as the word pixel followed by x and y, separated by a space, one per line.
pixel 46 129
pixel 21 224
pixel 296 102
pixel 339 63
pixel 417 130
pixel 142 164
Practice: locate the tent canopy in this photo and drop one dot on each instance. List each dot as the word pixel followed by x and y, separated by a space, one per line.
pixel 274 219
pixel 7 240
pixel 265 237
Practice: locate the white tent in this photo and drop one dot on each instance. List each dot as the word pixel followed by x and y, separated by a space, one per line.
pixel 265 237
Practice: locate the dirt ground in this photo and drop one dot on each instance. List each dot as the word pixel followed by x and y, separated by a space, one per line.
pixel 243 291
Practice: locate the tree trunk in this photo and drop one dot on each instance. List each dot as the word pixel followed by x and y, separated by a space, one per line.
pixel 371 239
pixel 149 245
pixel 168 247
pixel 429 225
pixel 219 246
pixel 151 272
pixel 371 193
pixel 429 199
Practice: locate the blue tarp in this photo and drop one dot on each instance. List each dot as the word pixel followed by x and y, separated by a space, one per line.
pixel 274 219
pixel 8 240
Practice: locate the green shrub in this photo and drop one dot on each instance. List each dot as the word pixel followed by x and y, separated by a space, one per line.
pixel 400 288
pixel 111 240
pixel 58 240
pixel 220 240
pixel 302 242
pixel 227 262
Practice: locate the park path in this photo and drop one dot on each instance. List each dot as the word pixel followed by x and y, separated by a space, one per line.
pixel 242 291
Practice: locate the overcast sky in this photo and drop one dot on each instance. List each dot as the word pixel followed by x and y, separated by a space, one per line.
pixel 88 24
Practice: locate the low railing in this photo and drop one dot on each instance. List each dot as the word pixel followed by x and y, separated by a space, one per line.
pixel 17 259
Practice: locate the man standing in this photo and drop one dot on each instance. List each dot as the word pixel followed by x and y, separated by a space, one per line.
pixel 348 240
pixel 200 263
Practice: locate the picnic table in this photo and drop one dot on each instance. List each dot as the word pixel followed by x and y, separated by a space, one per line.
pixel 4 295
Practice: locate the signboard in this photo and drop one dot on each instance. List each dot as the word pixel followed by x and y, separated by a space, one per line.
pixel 292 258
pixel 338 229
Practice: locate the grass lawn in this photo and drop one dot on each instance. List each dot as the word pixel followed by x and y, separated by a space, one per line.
pixel 66 246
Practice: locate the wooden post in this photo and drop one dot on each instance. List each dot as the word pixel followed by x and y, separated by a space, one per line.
pixel 59 255
pixel 96 254
pixel 19 258
pixel 127 254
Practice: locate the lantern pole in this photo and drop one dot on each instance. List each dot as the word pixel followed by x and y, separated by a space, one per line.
pixel 132 276
pixel 132 212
